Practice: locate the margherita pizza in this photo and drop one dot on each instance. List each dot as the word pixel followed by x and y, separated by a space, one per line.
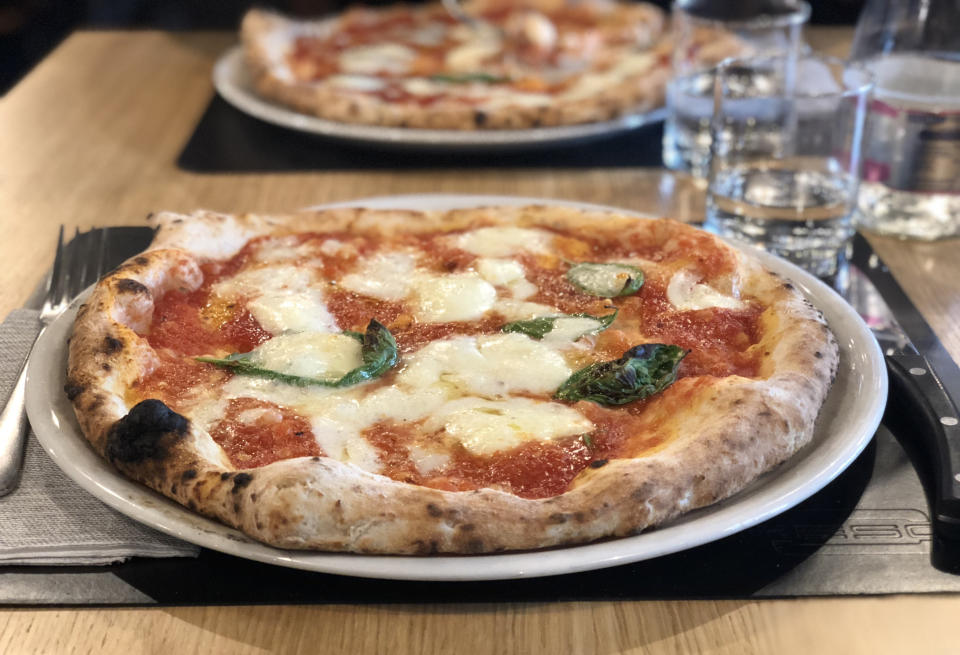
pixel 513 65
pixel 463 381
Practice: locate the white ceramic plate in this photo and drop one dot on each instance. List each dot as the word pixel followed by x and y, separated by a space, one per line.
pixel 233 83
pixel 847 423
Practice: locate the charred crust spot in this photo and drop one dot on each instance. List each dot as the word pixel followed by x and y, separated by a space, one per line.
pixel 818 354
pixel 259 525
pixel 191 505
pixel 226 475
pixel 236 507
pixel 434 511
pixel 189 474
pixel 315 459
pixel 468 527
pixel 479 118
pixel 475 546
pixel 96 402
pixel 765 413
pixel 126 285
pixel 241 480
pixel 737 401
pixel 598 463
pixel 72 389
pixel 145 433
pixel 143 261
pixel 112 345
pixel 558 518
pixel 788 286
pixel 579 517
pixel 253 498
pixel 106 367
pixel 450 266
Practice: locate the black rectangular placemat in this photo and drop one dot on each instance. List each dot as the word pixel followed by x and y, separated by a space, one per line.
pixel 228 141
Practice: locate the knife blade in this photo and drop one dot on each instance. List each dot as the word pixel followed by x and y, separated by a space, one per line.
pixel 924 383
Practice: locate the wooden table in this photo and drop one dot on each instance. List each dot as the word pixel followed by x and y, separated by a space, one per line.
pixel 90 137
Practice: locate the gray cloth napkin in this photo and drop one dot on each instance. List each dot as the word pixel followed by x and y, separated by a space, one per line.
pixel 48 519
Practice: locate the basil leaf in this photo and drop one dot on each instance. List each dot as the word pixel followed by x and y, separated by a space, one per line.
pixel 466 78
pixel 379 354
pixel 641 372
pixel 538 328
pixel 606 280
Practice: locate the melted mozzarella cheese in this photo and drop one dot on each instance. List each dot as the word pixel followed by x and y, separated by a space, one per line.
pixel 487 426
pixel 363 83
pixel 282 249
pixel 686 293
pixel 281 298
pixel 377 58
pixel 419 86
pixel 503 241
pixel 506 273
pixel 489 366
pixel 519 310
pixel 452 298
pixel 570 328
pixel 427 461
pixel 591 84
pixel 385 276
pixel 310 354
pixel 342 443
pixel 499 271
pixel 471 55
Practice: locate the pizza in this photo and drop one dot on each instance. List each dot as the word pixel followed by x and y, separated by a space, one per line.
pixel 463 381
pixel 513 65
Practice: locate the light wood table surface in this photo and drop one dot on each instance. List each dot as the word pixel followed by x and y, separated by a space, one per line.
pixel 90 137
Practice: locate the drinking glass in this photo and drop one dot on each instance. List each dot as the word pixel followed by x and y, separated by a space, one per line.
pixel 704 34
pixel 911 173
pixel 785 155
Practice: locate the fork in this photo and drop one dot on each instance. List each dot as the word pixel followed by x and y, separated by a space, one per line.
pixel 75 266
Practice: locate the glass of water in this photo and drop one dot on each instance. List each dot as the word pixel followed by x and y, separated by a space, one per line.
pixel 704 34
pixel 911 167
pixel 785 155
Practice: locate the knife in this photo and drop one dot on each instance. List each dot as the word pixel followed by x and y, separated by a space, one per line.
pixel 924 383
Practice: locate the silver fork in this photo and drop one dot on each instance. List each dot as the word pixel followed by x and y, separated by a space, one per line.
pixel 75 267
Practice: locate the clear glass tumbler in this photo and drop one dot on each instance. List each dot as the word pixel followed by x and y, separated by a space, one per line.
pixel 785 155
pixel 704 34
pixel 911 174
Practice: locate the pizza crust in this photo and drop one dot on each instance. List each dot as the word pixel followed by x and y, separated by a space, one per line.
pixel 736 430
pixel 264 35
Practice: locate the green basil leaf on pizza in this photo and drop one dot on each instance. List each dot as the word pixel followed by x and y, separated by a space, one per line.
pixel 640 373
pixel 317 359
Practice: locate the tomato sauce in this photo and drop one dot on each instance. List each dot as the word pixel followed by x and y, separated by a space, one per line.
pixel 256 433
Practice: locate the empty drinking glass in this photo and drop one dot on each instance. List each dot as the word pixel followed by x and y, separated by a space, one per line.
pixel 785 155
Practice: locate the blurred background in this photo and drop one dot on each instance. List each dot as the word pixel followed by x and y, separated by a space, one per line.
pixel 29 29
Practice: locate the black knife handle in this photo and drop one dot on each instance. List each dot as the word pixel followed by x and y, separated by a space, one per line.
pixel 920 411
